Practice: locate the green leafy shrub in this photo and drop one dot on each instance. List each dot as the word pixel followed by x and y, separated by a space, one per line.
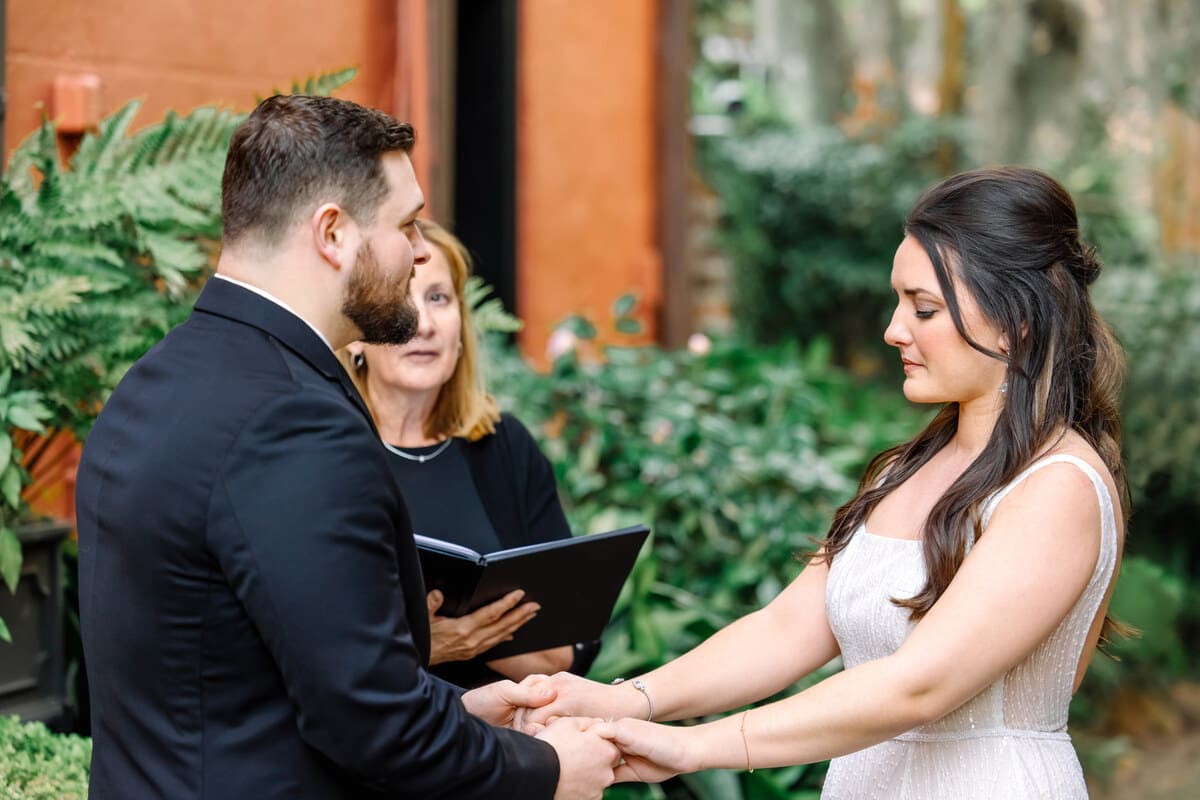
pixel 36 764
pixel 811 220
pixel 736 458
pixel 1156 314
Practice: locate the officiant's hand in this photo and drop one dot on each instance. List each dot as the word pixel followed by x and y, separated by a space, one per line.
pixel 579 697
pixel 463 638
pixel 505 703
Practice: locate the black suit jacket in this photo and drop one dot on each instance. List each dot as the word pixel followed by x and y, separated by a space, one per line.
pixel 253 612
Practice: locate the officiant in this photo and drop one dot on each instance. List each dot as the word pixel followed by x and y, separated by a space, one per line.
pixel 469 473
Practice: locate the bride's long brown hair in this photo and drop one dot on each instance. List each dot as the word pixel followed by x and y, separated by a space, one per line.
pixel 1009 238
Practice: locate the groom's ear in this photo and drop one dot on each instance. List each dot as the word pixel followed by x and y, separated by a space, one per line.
pixel 334 235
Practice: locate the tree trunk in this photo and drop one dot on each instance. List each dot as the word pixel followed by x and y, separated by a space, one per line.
pixel 1176 58
pixel 830 58
pixel 951 81
pixel 809 53
pixel 1029 58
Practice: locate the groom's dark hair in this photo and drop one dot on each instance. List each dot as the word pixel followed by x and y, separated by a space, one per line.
pixel 296 151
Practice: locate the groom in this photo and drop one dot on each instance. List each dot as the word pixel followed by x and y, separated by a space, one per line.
pixel 253 612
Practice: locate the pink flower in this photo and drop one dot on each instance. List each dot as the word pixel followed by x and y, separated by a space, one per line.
pixel 699 345
pixel 561 342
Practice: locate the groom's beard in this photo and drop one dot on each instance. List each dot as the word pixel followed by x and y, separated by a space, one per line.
pixel 381 308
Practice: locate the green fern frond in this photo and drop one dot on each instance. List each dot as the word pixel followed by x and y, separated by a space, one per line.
pixel 79 253
pixel 174 259
pixel 206 130
pixel 26 162
pixel 45 296
pixel 327 83
pixel 488 313
pixel 81 215
pixel 323 84
pixel 45 160
pixel 100 151
pixel 16 343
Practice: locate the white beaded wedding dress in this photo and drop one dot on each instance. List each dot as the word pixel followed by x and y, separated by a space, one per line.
pixel 1010 741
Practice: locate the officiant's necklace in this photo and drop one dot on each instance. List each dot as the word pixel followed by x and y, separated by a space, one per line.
pixel 422 457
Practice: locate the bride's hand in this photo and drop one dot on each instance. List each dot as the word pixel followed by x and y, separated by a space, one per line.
pixel 651 752
pixel 580 697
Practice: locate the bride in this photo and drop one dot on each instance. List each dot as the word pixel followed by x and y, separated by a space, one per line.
pixel 966 584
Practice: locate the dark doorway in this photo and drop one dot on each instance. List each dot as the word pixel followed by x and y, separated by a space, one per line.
pixel 485 173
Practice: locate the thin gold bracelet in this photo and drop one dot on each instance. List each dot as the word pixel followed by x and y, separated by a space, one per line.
pixel 745 744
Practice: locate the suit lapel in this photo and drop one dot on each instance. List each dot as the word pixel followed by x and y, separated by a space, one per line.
pixel 225 299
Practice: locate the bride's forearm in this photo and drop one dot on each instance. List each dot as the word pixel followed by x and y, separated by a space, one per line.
pixel 750 659
pixel 844 713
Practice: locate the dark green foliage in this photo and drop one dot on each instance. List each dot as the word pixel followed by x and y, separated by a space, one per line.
pixel 1156 314
pixel 736 458
pixel 811 221
pixel 36 764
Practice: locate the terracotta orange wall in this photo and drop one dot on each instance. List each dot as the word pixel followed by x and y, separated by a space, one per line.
pixel 180 54
pixel 587 211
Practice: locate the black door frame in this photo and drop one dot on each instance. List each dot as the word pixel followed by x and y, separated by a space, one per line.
pixel 485 140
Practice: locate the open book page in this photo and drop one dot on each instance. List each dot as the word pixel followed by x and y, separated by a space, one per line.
pixel 449 548
pixel 556 544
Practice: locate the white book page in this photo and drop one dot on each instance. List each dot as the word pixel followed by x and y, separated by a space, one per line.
pixel 430 543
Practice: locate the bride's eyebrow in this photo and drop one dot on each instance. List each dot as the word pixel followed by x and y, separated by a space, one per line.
pixel 918 292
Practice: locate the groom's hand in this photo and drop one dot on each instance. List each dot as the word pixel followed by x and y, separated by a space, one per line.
pixel 504 703
pixel 585 760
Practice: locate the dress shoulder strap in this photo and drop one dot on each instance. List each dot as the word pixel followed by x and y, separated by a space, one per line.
pixel 1108 524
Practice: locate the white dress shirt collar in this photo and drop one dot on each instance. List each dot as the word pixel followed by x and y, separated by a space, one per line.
pixel 267 295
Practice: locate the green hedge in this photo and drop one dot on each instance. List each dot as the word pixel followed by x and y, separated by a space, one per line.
pixel 736 458
pixel 810 222
pixel 36 764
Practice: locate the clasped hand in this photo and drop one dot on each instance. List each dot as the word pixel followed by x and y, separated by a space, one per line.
pixel 587 757
pixel 645 751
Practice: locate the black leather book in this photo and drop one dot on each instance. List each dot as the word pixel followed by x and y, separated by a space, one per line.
pixel 575 580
